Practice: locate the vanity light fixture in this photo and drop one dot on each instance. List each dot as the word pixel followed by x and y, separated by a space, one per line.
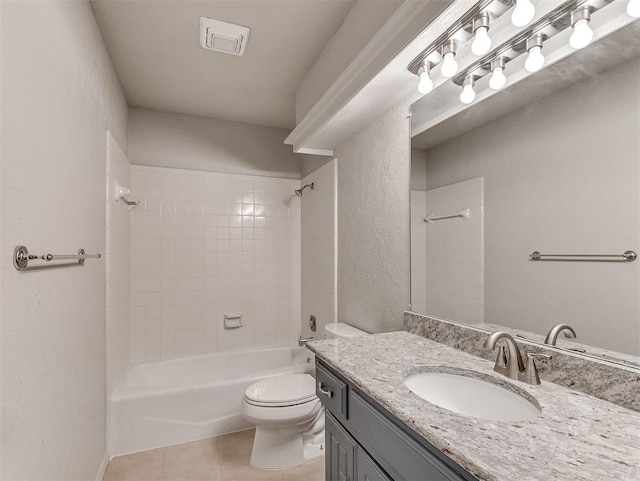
pixel 633 8
pixel 449 65
pixel 425 85
pixel 482 41
pixel 582 33
pixel 523 13
pixel 535 59
pixel 468 94
pixel 472 30
pixel 498 79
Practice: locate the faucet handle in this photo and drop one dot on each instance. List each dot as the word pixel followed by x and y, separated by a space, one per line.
pixel 531 372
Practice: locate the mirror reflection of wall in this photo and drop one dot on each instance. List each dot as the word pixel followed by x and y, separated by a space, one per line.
pixel 561 175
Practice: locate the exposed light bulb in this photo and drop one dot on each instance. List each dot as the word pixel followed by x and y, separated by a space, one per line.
pixel 468 95
pixel 633 8
pixel 582 34
pixel 449 65
pixel 523 13
pixel 535 59
pixel 498 78
pixel 482 42
pixel 425 85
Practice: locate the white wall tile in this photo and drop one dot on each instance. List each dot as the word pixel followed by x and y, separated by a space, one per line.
pixel 200 250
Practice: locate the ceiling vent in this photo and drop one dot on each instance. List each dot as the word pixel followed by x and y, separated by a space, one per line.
pixel 222 36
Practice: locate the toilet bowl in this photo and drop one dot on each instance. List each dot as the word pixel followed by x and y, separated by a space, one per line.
pixel 288 415
pixel 289 421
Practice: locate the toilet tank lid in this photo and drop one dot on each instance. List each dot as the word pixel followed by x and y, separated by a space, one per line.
pixel 288 388
pixel 341 329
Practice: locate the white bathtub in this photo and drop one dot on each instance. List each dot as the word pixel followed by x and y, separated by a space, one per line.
pixel 174 401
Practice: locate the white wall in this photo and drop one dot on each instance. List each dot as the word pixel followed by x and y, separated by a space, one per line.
pixel 418 170
pixel 59 95
pixel 310 163
pixel 454 261
pixel 359 27
pixel 165 139
pixel 418 251
pixel 206 244
pixel 118 268
pixel 318 233
pixel 374 169
pixel 561 176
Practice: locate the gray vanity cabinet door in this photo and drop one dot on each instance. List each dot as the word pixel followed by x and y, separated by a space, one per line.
pixel 340 454
pixel 367 469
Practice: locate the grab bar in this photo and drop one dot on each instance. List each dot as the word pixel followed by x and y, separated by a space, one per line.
pixel 627 256
pixel 21 257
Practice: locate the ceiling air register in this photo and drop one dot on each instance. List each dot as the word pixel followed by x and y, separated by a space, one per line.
pixel 223 37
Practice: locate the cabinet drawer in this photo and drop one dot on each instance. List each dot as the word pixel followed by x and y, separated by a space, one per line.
pixel 402 457
pixel 332 392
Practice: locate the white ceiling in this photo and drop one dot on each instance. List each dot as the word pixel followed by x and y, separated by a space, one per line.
pixel 154 45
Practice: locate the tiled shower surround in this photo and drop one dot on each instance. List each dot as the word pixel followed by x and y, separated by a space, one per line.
pixel 209 244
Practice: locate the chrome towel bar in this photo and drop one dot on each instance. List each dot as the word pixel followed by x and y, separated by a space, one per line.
pixel 21 257
pixel 627 256
pixel 465 214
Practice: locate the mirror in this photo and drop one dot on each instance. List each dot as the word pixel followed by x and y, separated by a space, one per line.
pixel 550 164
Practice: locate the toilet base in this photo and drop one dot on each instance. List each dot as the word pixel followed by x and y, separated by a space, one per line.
pixel 284 448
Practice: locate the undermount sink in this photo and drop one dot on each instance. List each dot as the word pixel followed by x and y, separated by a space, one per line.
pixel 473 394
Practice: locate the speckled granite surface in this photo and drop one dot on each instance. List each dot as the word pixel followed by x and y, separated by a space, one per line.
pixel 616 384
pixel 576 437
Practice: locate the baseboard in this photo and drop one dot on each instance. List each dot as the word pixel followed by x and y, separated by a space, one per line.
pixel 103 467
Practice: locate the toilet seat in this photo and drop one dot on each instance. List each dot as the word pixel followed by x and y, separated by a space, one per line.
pixel 281 391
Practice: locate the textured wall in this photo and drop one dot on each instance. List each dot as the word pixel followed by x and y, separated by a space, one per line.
pixel 164 139
pixel 59 95
pixel 374 169
pixel 561 176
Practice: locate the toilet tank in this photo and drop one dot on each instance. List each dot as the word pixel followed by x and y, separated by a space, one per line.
pixel 341 330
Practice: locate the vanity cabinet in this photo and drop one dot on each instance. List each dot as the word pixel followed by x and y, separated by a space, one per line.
pixel 364 442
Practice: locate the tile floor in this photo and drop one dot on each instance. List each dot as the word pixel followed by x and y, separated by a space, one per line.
pixel 225 458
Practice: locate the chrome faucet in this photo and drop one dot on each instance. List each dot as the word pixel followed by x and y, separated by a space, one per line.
pixel 510 362
pixel 554 332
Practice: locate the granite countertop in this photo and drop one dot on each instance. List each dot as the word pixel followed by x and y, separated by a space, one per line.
pixel 576 437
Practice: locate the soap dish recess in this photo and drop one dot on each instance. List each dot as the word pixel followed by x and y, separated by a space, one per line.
pixel 233 320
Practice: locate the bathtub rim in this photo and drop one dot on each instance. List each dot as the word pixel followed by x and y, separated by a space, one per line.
pixel 121 393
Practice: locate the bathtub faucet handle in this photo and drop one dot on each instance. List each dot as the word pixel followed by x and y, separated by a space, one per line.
pixel 302 341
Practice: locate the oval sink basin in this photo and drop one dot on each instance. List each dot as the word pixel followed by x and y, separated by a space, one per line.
pixel 470 396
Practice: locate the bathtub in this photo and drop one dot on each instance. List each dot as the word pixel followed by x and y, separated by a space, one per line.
pixel 179 400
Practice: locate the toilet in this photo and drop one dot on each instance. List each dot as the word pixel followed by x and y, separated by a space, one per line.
pixel 338 330
pixel 288 415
